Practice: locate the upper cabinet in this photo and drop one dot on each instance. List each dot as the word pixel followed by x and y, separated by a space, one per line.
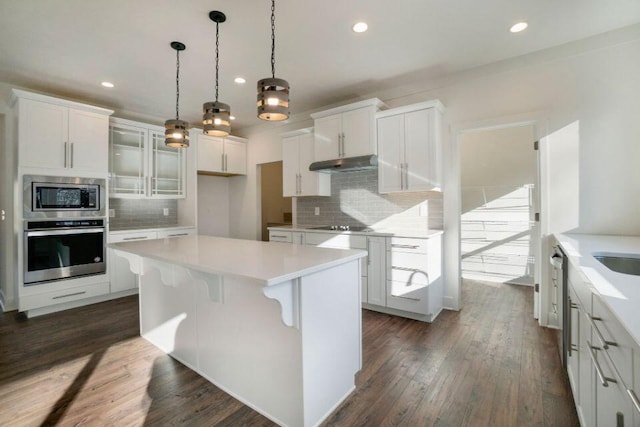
pixel 347 131
pixel 297 155
pixel 410 147
pixel 141 166
pixel 61 136
pixel 222 156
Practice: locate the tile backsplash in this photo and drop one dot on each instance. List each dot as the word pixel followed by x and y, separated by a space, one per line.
pixel 355 201
pixel 142 213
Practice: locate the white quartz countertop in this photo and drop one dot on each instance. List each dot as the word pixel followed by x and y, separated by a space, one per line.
pixel 387 232
pixel 620 292
pixel 267 262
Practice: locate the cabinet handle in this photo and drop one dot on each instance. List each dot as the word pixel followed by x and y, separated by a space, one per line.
pixel 403 297
pixel 570 326
pixel 343 144
pixel 406 176
pixel 135 238
pixel 65 153
pixel 226 162
pixel 412 270
pixel 69 295
pixel 339 145
pixel 279 236
pixel 178 234
pixel 71 155
pixel 222 162
pixel 368 254
pixel 605 344
pixel 395 245
pixel 298 184
pixel 603 380
pixel 634 399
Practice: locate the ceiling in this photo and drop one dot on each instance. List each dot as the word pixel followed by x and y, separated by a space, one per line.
pixel 68 47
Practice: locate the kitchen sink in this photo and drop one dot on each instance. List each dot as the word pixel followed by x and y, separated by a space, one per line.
pixel 620 263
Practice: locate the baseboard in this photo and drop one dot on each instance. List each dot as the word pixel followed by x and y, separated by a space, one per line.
pixel 7 305
pixel 35 312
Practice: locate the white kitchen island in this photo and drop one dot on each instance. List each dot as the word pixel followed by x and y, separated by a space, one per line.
pixel 277 326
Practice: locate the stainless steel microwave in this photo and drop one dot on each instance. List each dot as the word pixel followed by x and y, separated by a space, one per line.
pixel 63 197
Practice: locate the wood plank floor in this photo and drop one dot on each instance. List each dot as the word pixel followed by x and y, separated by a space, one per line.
pixel 487 365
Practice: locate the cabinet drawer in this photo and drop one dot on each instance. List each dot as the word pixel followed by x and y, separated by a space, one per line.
pixel 30 302
pixel 340 241
pixel 280 236
pixel 413 297
pixel 620 344
pixel 403 244
pixel 582 288
pixel 128 237
pixel 176 232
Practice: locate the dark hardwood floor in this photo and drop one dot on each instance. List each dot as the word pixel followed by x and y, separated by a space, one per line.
pixel 488 365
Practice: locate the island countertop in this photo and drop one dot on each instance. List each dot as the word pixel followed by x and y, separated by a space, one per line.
pixel 267 262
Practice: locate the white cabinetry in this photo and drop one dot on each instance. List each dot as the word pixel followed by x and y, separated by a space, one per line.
pixel 61 136
pixel 414 275
pixel 222 156
pixel 409 148
pixel 297 155
pixel 140 165
pixel 120 274
pixel 376 271
pixel 347 131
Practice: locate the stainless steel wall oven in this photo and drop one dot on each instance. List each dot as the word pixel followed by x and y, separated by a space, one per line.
pixel 62 249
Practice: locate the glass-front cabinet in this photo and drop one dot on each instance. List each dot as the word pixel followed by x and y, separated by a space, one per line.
pixel 140 165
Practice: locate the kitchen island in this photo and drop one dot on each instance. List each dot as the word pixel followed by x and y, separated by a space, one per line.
pixel 275 325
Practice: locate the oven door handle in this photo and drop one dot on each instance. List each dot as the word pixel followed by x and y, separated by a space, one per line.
pixel 67 231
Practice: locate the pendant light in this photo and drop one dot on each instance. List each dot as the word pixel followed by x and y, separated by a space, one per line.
pixel 216 119
pixel 176 132
pixel 273 93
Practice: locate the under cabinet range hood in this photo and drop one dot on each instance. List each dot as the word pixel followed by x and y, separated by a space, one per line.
pixel 349 164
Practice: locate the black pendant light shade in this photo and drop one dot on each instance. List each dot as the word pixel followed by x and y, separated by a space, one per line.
pixel 176 131
pixel 216 117
pixel 273 93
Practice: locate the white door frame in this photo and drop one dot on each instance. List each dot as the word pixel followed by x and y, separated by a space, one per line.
pixel 452 200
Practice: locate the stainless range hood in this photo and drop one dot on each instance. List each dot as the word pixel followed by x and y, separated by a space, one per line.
pixel 350 164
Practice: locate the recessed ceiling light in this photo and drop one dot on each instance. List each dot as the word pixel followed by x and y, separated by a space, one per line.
pixel 107 84
pixel 360 27
pixel 232 117
pixel 520 26
pixel 239 80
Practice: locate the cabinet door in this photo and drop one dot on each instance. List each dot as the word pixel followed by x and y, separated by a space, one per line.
pixel 358 133
pixel 290 166
pixel 614 407
pixel 88 141
pixel 311 183
pixel 167 168
pixel 120 275
pixel 390 153
pixel 376 271
pixel 326 132
pixel 585 399
pixel 210 152
pixel 420 155
pixel 43 135
pixel 573 358
pixel 127 161
pixel 235 157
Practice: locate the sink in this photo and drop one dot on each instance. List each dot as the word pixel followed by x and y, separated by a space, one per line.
pixel 620 263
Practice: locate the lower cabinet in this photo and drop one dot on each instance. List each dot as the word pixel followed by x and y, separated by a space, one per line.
pixel 296 237
pixel 121 277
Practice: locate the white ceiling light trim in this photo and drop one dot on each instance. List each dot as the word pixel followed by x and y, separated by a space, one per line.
pixel 360 27
pixel 240 80
pixel 107 84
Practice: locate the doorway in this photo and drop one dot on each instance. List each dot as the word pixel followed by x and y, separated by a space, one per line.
pixel 275 209
pixel 499 176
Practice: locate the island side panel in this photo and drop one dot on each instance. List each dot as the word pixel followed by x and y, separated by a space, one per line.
pixel 247 350
pixel 331 325
pixel 167 316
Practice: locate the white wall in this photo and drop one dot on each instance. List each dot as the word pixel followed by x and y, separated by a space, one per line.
pixel 595 81
pixel 213 205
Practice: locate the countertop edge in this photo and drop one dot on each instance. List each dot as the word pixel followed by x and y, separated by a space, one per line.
pixel 415 234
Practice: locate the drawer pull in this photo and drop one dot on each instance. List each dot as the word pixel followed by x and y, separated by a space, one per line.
pixel 69 295
pixel 277 236
pixel 603 380
pixel 135 238
pixel 574 305
pixel 395 245
pixel 605 344
pixel 411 270
pixel 178 234
pixel 410 298
pixel 634 399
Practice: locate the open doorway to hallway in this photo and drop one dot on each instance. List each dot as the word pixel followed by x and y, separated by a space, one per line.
pixel 276 209
pixel 499 201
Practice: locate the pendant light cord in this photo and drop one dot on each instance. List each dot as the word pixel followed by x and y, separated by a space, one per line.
pixel 217 58
pixel 177 84
pixel 273 38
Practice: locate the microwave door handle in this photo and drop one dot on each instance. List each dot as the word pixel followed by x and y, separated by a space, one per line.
pixel 38 233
